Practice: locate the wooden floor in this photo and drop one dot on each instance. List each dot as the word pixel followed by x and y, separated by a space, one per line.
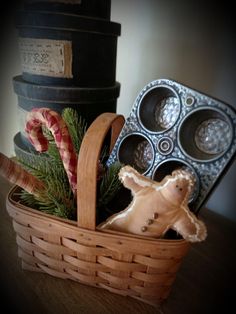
pixel 205 283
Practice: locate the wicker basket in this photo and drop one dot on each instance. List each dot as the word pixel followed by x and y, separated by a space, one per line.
pixel 143 268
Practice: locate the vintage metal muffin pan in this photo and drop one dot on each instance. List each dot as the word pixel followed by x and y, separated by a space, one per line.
pixel 172 125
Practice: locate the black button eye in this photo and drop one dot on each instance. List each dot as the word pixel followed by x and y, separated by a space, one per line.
pixel 155 215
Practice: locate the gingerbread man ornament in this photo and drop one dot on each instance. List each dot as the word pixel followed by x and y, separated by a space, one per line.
pixel 158 206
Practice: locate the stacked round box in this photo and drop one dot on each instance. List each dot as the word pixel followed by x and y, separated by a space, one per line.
pixel 68 51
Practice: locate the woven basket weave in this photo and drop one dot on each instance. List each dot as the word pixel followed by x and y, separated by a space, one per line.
pixel 143 268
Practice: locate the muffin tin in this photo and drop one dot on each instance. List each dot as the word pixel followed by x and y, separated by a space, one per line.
pixel 174 126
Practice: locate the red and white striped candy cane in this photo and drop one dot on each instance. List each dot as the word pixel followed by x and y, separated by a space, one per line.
pixel 53 121
pixel 15 174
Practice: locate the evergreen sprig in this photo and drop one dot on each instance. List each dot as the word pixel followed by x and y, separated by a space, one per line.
pixel 110 184
pixel 76 126
pixel 57 198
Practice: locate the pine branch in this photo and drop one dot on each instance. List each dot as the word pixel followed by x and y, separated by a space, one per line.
pixel 48 167
pixel 47 133
pixel 37 166
pixel 104 154
pixel 28 199
pixel 58 199
pixel 59 205
pixel 110 184
pixel 76 126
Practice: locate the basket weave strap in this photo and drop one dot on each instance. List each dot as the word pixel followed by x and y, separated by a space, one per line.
pixel 88 165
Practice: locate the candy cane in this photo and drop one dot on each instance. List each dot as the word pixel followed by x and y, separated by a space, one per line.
pixel 52 120
pixel 15 174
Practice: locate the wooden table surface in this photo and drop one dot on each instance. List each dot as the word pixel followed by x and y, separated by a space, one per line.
pixel 205 283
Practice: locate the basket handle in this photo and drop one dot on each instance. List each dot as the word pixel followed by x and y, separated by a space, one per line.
pixel 88 165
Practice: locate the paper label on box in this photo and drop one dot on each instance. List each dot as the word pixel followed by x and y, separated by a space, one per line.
pixel 47 57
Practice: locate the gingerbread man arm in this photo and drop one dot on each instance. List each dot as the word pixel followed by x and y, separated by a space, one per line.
pixel 133 180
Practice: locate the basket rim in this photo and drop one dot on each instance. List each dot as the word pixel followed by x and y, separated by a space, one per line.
pixel 21 208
